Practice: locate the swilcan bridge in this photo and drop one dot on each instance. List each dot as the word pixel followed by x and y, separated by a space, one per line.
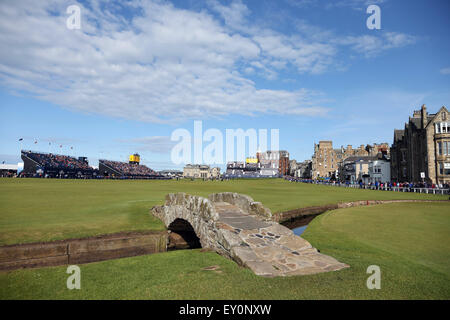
pixel 241 229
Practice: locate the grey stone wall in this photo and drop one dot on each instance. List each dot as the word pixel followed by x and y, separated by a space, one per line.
pixel 204 219
pixel 74 251
pixel 243 202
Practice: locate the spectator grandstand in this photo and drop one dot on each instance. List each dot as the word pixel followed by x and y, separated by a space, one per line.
pixel 238 169
pixel 55 165
pixel 127 170
pixel 48 165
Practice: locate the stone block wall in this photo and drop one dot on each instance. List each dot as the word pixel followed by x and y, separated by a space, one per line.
pixel 201 213
pixel 75 251
pixel 244 202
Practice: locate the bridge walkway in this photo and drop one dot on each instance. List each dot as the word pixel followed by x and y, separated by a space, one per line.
pixel 268 248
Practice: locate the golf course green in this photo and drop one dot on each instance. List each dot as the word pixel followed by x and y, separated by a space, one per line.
pixel 410 242
pixel 34 210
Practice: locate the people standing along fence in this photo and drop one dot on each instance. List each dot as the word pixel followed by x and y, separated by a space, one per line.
pixel 390 186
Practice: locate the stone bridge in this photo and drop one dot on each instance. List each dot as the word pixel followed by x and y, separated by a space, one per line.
pixel 241 229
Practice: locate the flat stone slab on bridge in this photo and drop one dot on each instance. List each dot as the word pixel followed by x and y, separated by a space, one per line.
pixel 239 228
pixel 270 249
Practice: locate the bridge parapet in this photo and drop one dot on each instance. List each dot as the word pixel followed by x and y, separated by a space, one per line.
pixel 241 229
pixel 243 202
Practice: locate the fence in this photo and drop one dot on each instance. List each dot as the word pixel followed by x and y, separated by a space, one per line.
pixel 384 188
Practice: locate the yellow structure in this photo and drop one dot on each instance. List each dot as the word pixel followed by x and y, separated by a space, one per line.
pixel 135 158
pixel 251 160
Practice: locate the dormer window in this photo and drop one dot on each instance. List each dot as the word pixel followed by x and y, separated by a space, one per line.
pixel 442 127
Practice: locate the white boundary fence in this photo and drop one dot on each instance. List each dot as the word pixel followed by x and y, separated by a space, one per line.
pixel 384 188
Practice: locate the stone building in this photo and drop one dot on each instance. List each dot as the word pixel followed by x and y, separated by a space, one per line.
pixel 326 160
pixel 201 171
pixel 355 169
pixel 421 151
pixel 366 169
pixel 214 173
pixel 293 167
pixel 304 169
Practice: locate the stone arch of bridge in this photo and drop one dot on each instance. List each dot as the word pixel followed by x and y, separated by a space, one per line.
pixel 182 235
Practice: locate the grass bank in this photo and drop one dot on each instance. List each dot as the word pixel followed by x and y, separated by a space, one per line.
pixel 408 241
pixel 50 209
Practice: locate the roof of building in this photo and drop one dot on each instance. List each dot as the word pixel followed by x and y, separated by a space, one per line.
pixel 398 134
pixel 9 166
pixel 361 158
pixel 197 166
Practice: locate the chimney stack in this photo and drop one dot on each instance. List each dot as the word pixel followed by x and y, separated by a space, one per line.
pixel 424 116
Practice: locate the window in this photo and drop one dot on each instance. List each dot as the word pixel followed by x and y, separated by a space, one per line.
pixel 439 148
pixel 447 168
pixel 442 127
pixel 443 148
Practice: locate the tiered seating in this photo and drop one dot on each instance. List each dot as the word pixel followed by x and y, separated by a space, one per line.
pixel 54 161
pixel 129 169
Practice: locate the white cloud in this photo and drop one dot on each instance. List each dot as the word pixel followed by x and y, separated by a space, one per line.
pixel 445 71
pixel 373 45
pixel 154 144
pixel 233 15
pixel 354 4
pixel 159 63
pixel 166 64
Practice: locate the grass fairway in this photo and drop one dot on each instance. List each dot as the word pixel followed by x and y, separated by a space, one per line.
pixel 50 209
pixel 410 243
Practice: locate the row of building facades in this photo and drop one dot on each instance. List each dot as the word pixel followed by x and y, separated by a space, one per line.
pixel 266 164
pixel 420 153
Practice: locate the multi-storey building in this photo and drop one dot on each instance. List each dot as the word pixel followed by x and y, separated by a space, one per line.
pixel 293 167
pixel 283 168
pixel 273 163
pixel 366 169
pixel 421 151
pixel 326 161
pixel 304 169
pixel 380 170
pixel 201 171
pixel 355 169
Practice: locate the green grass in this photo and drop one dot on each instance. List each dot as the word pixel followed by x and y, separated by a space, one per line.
pixel 409 241
pixel 50 209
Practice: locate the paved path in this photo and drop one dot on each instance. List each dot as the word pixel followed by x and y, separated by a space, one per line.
pixel 270 249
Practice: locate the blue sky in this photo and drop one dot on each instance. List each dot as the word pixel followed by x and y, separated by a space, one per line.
pixel 138 70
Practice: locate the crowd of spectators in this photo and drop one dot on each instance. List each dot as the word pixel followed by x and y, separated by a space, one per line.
pixel 130 169
pixel 409 186
pixel 54 161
